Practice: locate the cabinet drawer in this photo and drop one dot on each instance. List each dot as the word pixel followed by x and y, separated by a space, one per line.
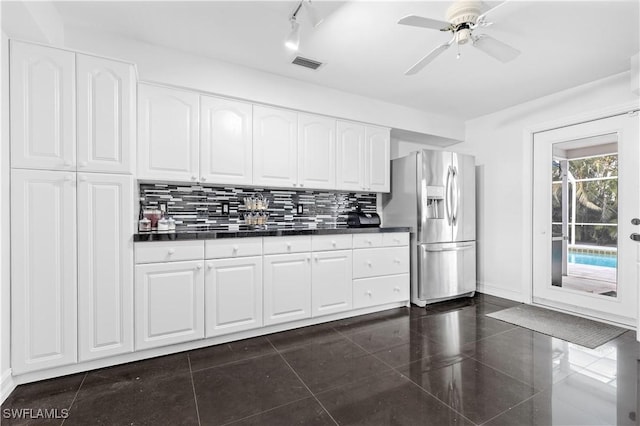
pixel 331 242
pixel 367 240
pixel 395 239
pixel 294 244
pixel 380 290
pixel 380 261
pixel 236 247
pixel 162 251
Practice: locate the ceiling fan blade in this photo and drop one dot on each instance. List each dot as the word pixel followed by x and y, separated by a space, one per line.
pixel 427 59
pixel 495 48
pixel 493 14
pixel 419 21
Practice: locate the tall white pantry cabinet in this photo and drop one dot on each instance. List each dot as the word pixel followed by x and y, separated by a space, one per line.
pixel 72 218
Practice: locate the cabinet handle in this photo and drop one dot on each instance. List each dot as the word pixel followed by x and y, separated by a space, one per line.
pixel 368 293
pixel 68 163
pixel 210 266
pixel 193 178
pixel 301 185
pixel 317 258
pixel 288 246
pixel 308 258
pixel 396 289
pixel 198 266
pixel 396 240
pixel 333 243
pixel 369 263
pixel 369 242
pixel 171 251
pixel 295 184
pixel 203 178
pixel 396 260
pixel 82 164
pixel 235 248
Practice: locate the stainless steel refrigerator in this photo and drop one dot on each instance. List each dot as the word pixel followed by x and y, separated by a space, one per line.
pixel 433 193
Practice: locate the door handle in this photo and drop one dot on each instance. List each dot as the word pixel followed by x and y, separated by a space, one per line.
pixel 450 249
pixel 635 221
pixel 447 200
pixel 635 237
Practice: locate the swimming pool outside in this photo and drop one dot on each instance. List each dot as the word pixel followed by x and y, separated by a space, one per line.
pixel 595 259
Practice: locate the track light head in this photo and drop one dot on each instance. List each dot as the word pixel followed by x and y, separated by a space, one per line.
pixel 292 41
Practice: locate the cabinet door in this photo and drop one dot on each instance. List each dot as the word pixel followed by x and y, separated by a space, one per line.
pixel 331 282
pixel 377 167
pixel 43 269
pixel 233 291
pixel 316 151
pixel 275 147
pixel 226 141
pixel 287 287
pixel 106 115
pixel 351 154
pixel 168 142
pixel 169 303
pixel 43 134
pixel 105 265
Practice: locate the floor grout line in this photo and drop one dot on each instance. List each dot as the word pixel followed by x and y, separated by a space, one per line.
pixel 193 387
pixel 75 396
pixel 305 385
pixel 266 411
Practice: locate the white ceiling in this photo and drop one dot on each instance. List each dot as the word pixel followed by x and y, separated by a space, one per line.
pixel 563 44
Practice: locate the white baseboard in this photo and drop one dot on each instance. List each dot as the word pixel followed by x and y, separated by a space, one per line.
pixel 493 290
pixel 7 385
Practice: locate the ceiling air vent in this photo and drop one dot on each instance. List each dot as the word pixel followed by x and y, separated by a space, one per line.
pixel 306 62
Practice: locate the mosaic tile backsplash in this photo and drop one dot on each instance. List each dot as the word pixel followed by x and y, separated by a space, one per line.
pixel 200 206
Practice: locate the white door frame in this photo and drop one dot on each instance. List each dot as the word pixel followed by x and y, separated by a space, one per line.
pixel 527 185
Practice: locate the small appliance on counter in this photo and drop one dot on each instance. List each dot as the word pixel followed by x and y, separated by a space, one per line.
pixel 360 219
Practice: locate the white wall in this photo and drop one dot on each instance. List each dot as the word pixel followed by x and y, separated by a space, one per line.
pixel 170 66
pixel 504 157
pixel 5 279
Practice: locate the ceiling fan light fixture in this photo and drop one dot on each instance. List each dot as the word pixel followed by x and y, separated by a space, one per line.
pixel 292 41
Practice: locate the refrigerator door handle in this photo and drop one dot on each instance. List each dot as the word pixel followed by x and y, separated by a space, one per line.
pixel 447 195
pixel 456 195
pixel 460 248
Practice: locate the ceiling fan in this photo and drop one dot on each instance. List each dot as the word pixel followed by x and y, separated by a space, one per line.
pixel 463 16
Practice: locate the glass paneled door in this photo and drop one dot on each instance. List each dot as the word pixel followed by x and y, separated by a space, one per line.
pixel 585 196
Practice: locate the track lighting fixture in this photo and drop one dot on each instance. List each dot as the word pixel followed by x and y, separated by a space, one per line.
pixel 293 39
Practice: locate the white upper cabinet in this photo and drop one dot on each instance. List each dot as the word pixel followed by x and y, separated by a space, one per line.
pixel 106 115
pixel 316 151
pixel 363 157
pixel 350 158
pixel 42 90
pixel 226 138
pixel 377 163
pixel 275 156
pixel 43 269
pixel 105 265
pixel 168 142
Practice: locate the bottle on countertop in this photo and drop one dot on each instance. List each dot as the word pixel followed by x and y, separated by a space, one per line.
pixel 144 224
pixel 163 223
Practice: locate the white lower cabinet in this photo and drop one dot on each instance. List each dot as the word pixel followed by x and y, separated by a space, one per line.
pixel 105 265
pixel 287 287
pixel 331 286
pixel 169 303
pixel 43 270
pixel 380 290
pixel 233 295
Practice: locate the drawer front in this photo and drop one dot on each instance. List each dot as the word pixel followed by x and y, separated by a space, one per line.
pixel 395 239
pixel 163 251
pixel 380 290
pixel 367 240
pixel 282 245
pixel 232 247
pixel 331 242
pixel 380 261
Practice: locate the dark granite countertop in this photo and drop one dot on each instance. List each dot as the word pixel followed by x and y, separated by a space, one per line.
pixel 272 232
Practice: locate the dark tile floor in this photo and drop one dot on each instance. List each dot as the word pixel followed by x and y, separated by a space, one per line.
pixel 445 365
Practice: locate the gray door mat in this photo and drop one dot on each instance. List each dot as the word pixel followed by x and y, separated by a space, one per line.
pixel 581 331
